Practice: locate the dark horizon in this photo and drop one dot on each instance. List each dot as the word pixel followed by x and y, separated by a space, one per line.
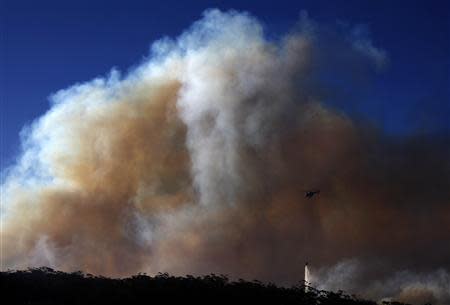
pixel 47 286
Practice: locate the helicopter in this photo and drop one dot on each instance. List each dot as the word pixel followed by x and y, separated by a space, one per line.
pixel 310 194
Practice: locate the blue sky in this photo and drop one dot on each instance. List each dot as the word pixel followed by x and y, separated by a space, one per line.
pixel 49 45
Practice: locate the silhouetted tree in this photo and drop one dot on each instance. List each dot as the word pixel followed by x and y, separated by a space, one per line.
pixel 47 286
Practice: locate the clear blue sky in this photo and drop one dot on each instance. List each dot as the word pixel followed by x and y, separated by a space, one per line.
pixel 48 45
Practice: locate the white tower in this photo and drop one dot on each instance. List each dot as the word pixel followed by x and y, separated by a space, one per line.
pixel 307 277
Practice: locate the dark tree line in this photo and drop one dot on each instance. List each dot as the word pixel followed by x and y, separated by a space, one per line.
pixel 47 286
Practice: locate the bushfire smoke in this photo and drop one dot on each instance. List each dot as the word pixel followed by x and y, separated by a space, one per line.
pixel 197 162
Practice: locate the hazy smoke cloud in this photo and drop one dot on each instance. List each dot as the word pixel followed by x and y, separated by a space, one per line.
pixel 198 160
pixel 405 286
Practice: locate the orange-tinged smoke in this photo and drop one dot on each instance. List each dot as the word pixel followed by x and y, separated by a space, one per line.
pixel 198 161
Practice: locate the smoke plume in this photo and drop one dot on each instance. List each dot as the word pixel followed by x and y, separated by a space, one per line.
pixel 197 162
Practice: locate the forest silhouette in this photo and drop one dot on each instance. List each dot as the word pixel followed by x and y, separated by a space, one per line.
pixel 47 286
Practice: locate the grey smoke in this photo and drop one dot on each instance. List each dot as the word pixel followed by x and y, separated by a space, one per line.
pixel 196 161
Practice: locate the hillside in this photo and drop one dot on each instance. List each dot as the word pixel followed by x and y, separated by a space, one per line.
pixel 47 286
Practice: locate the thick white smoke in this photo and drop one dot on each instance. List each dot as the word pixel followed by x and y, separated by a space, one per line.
pixel 197 161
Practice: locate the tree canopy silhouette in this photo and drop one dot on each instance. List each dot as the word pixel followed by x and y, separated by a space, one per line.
pixel 47 286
